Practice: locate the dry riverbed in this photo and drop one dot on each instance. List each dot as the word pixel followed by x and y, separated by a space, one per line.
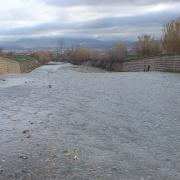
pixel 80 123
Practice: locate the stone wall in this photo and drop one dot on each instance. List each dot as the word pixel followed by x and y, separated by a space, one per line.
pixel 12 67
pixel 164 63
pixel 7 66
pixel 28 66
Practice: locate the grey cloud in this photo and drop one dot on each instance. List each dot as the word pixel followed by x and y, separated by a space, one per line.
pixel 107 2
pixel 107 26
pixel 147 20
pixel 101 27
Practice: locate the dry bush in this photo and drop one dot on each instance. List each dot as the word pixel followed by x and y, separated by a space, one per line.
pixel 171 37
pixel 99 58
pixel 104 59
pixel 43 57
pixel 118 53
pixel 147 46
pixel 80 55
pixel 99 55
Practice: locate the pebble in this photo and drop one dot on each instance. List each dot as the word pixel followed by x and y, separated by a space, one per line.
pixel 25 131
pixel 24 157
pixel 1 171
pixel 28 137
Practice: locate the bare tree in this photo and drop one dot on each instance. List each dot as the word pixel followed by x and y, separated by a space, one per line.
pixel 171 37
pixel 1 50
pixel 118 53
pixel 43 57
pixel 147 46
pixel 80 55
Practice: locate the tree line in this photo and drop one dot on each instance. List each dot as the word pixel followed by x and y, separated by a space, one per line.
pixel 146 46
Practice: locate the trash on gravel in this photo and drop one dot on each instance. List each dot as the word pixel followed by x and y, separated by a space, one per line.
pixel 72 154
pixel 75 158
pixel 23 156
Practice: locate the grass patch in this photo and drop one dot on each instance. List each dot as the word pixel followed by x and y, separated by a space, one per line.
pixel 171 71
pixel 20 58
pixel 132 58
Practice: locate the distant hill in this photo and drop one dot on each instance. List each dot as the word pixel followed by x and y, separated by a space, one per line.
pixel 52 43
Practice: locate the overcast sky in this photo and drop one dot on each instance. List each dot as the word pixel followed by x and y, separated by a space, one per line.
pixel 101 19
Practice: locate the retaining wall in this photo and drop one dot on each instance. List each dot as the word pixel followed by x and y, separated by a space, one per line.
pixel 7 66
pixel 164 63
pixel 12 67
pixel 28 66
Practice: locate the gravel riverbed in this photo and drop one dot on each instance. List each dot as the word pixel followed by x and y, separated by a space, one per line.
pixel 78 123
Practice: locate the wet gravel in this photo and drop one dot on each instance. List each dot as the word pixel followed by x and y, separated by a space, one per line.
pixel 71 123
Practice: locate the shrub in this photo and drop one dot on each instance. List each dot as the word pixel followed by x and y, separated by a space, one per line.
pixel 43 57
pixel 80 55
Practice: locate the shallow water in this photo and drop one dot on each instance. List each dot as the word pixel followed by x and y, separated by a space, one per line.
pixel 89 125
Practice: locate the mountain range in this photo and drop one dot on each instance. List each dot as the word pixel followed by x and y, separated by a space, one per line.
pixel 55 42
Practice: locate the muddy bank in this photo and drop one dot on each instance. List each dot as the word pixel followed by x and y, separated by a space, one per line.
pixel 65 122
